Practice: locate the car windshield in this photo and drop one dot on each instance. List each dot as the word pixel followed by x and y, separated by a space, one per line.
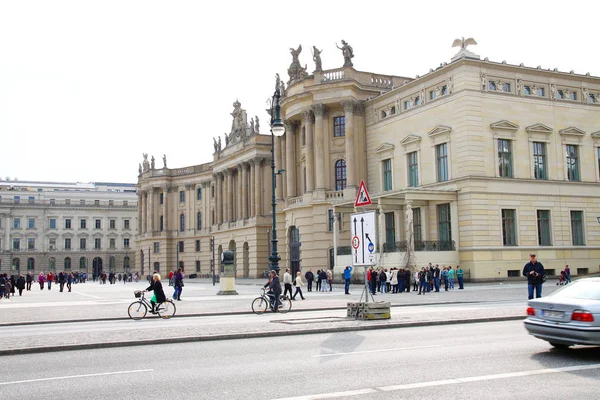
pixel 589 290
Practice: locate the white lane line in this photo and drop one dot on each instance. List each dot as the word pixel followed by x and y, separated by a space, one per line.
pixel 88 295
pixel 488 377
pixel 376 351
pixel 136 371
pixel 332 395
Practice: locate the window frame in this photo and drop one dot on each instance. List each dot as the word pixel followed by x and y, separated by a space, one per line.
pixel 390 227
pixel 581 228
pixel 507 171
pixel 444 225
pixel 339 126
pixel 544 161
pixel 575 162
pixel 341 177
pixel 509 224
pixel 417 225
pixel 182 196
pixel 441 163
pixel 413 168
pixel 387 175
pixel 540 220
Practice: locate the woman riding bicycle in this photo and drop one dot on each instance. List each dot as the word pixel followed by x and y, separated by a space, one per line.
pixel 274 290
pixel 159 295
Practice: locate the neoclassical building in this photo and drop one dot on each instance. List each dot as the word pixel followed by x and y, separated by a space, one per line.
pixel 495 160
pixel 57 226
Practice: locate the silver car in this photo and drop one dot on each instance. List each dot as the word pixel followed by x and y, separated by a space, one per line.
pixel 569 316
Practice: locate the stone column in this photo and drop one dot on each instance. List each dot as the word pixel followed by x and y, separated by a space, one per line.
pixel 381 222
pixel 165 209
pixel 145 212
pixel 283 177
pixel 336 227
pixel 229 174
pixel 218 201
pixel 278 166
pixel 252 189
pixel 290 159
pixel 245 191
pixel 7 232
pixel 238 193
pixel 320 170
pixel 140 212
pixel 257 186
pixel 310 151
pixel 350 150
pixel 191 198
pixel 360 143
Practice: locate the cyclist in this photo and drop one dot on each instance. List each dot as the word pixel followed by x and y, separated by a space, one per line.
pixel 159 295
pixel 274 290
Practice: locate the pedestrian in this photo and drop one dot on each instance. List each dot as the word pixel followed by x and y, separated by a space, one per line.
pixel 21 284
pixel 459 276
pixel 13 284
pixel 50 279
pixel 41 280
pixel 416 281
pixel 28 280
pixel 451 277
pixel 436 277
pixel 423 282
pixel 568 273
pixel 7 286
pixel 69 280
pixel 287 282
pixel 298 283
pixel 407 279
pixel 310 277
pixel 178 283
pixel 534 272
pixel 323 280
pixel 2 286
pixel 171 273
pixel 373 281
pixel 318 277
pixel 329 279
pixel 274 290
pixel 61 280
pixel 159 295
pixel 347 277
pixel 445 278
pixel 383 281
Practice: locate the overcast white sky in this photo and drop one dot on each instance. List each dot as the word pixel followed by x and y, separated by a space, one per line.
pixel 87 86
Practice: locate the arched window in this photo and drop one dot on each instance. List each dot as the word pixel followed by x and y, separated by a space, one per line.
pixel 161 223
pixel 182 222
pixel 199 221
pixel 340 175
pixel 30 264
pixel 156 267
pixel 68 263
pixel 16 262
pixel 126 262
pixel 52 263
pixel 197 266
pixel 112 263
pixel 82 263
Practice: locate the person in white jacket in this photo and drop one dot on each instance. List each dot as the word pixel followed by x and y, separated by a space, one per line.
pixel 298 283
pixel 394 280
pixel 287 282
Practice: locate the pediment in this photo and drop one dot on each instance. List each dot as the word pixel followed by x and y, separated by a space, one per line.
pixel 68 235
pixel 385 147
pixel 596 134
pixel 98 235
pixel 573 131
pixel 505 125
pixel 112 235
pixel 83 235
pixel 53 235
pixel 539 128
pixel 410 139
pixel 438 130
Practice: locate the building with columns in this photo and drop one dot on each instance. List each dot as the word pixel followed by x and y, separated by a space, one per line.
pixel 495 161
pixel 55 226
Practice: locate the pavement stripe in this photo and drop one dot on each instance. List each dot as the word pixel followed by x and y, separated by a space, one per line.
pixel 331 395
pixel 375 351
pixel 136 371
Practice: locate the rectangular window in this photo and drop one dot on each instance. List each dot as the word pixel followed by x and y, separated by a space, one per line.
pixel 527 90
pixel 331 220
pixel 441 154
pixel 413 169
pixel 387 174
pixel 82 202
pixel 161 198
pixel 68 223
pixel 577 228
pixel 180 246
pixel 97 243
pixel 16 223
pixel 82 244
pixel 539 160
pixel 181 196
pixel 17 199
pixel 540 92
pixel 444 224
pixel 16 244
pixel 31 199
pixel 156 247
pixel 30 244
pixel 543 226
pixel 98 224
pixel 492 85
pixel 111 203
pixel 52 202
pixel 126 243
pixel 572 162
pixel 506 87
pixel 112 243
pixel 197 266
pixel 417 232
pixel 390 228
pixel 504 158
pixel 52 242
pixel 52 223
pixel 31 223
pixel 339 126
pixel 406 104
pixel 126 224
pixel 83 224
pixel 67 244
pixel 112 224
pixel 509 233
pixel 199 194
pixel 199 221
pixel 197 245
pixel 96 203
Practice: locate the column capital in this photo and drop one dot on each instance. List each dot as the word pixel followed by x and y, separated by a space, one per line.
pixel 359 108
pixel 189 186
pixel 348 106
pixel 308 116
pixel 258 161
pixel 226 172
pixel 319 110
pixel 290 126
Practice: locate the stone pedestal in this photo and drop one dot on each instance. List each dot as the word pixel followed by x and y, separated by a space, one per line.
pixel 227 281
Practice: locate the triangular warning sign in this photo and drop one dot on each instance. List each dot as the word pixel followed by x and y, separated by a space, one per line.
pixel 363 198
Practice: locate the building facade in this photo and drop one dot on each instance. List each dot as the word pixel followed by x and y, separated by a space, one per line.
pixel 50 226
pixel 492 161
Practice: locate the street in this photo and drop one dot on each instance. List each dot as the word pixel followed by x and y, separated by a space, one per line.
pixel 496 359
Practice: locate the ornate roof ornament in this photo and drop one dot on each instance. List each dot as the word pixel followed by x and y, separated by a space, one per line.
pixel 463 52
pixel 296 72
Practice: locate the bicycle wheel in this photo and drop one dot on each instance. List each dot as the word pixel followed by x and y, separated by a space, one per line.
pixel 166 310
pixel 285 305
pixel 259 305
pixel 137 310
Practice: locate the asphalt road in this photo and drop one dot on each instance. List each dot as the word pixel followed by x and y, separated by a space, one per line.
pixel 471 361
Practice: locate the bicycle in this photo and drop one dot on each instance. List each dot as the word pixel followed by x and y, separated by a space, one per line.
pixel 259 304
pixel 139 308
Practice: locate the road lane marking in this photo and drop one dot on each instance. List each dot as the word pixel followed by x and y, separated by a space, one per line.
pixel 376 351
pixel 488 377
pixel 136 371
pixel 88 295
pixel 332 395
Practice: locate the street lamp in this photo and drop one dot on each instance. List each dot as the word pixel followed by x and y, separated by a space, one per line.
pixel 277 129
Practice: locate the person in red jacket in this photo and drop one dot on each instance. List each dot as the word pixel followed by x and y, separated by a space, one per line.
pixel 50 279
pixel 171 273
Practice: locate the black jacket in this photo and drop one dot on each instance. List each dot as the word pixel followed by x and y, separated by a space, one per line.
pixel 20 283
pixel 158 291
pixel 274 285
pixel 538 272
pixel 309 276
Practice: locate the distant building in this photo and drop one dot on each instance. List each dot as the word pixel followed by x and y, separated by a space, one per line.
pixel 55 226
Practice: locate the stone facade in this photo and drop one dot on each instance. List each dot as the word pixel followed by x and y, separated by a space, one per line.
pixel 496 161
pixel 67 226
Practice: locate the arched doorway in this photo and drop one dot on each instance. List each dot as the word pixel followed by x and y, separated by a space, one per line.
pixel 232 248
pixel 246 260
pixel 52 264
pixel 83 263
pixel 16 264
pixel 30 264
pixel 294 243
pixel 97 266
pixel 126 263
pixel 68 264
pixel 112 263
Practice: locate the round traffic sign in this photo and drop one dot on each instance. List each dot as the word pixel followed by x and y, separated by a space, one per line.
pixel 355 242
pixel 371 247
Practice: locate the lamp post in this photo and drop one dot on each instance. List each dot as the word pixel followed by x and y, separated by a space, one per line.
pixel 277 129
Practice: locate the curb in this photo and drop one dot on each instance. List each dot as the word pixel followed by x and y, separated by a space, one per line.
pixel 221 314
pixel 251 335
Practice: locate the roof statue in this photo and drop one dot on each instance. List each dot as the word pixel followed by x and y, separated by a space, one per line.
pixel 164 161
pixel 240 128
pixel 145 163
pixel 152 163
pixel 463 44
pixel 347 52
pixel 317 59
pixel 296 72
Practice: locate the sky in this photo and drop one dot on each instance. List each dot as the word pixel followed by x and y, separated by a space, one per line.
pixel 87 86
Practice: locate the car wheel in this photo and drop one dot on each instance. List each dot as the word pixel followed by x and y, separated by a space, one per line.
pixel 559 346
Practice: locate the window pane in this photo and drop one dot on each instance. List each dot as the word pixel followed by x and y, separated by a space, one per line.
pixel 572 162
pixel 442 162
pixel 417 225
pixel 577 228
pixel 387 174
pixel 340 175
pixel 539 160
pixel 543 225
pixel 413 169
pixel 504 158
pixel 444 225
pixel 508 228
pixel 390 228
pixel 339 126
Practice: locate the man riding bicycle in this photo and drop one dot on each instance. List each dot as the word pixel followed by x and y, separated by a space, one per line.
pixel 274 290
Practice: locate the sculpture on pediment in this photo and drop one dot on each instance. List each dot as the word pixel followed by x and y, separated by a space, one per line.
pixel 215 145
pixel 347 52
pixel 296 72
pixel 226 139
pixel 252 125
pixel 219 144
pixel 145 163
pixel 239 125
pixel 140 169
pixel 164 161
pixel 152 162
pixel 256 124
pixel 317 59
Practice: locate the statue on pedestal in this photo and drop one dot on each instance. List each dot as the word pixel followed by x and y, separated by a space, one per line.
pixel 152 163
pixel 317 59
pixel 140 169
pixel 256 125
pixel 347 52
pixel 164 161
pixel 145 163
pixel 296 72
